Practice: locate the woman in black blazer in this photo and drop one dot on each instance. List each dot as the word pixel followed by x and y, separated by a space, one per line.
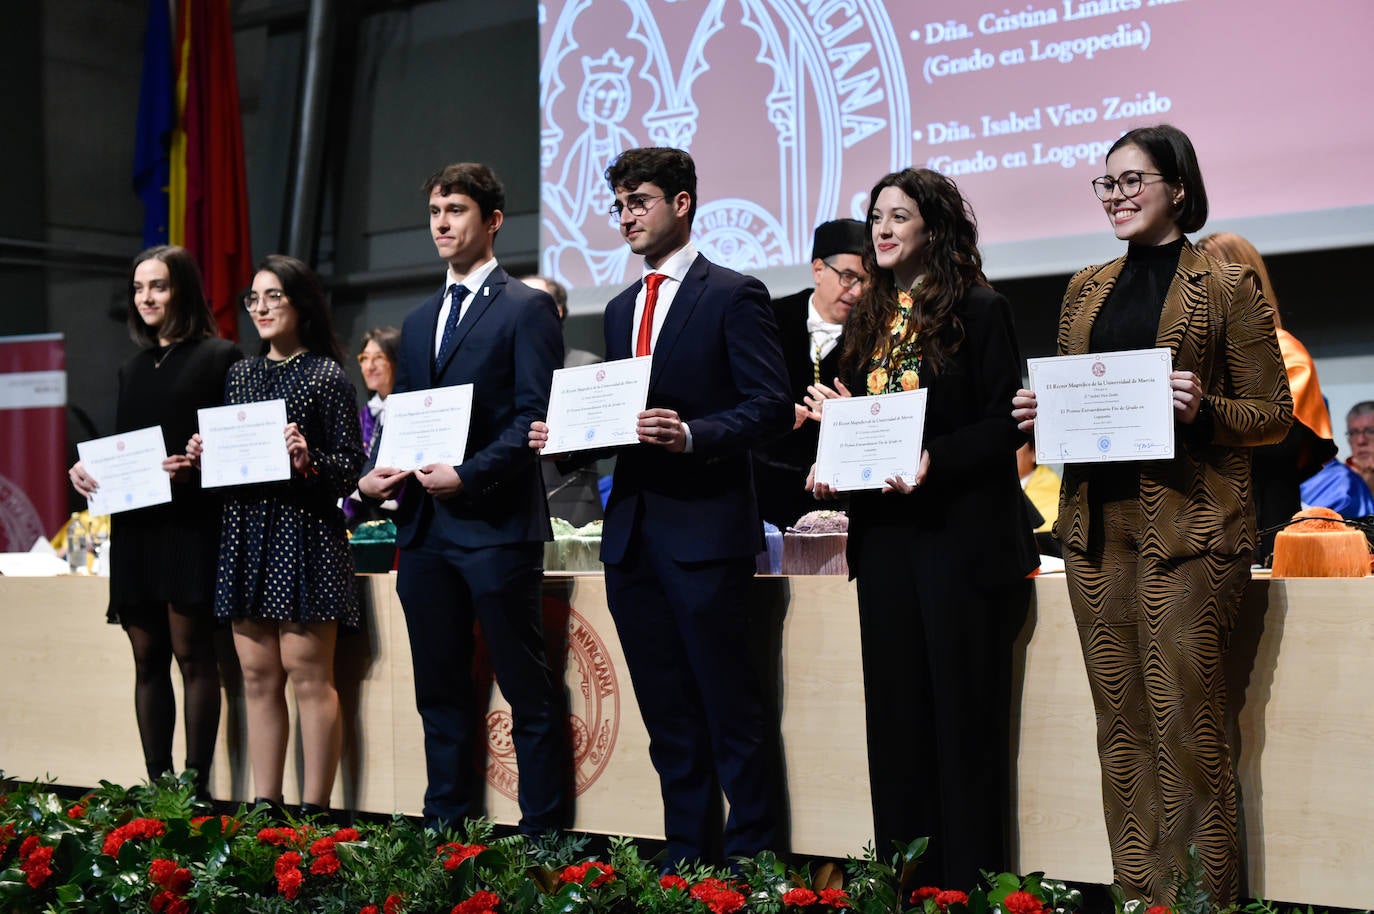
pixel 941 563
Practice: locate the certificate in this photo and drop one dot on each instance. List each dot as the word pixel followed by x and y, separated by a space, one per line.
pixel 865 440
pixel 243 443
pixel 424 427
pixel 1104 407
pixel 597 405
pixel 128 469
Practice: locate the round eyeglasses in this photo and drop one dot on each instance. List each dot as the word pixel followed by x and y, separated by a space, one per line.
pixel 271 299
pixel 638 205
pixel 1128 182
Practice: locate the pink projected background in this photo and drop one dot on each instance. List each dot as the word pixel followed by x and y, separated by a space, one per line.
pixel 793 109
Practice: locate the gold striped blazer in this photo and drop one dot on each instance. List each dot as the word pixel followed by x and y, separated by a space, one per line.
pixel 1218 325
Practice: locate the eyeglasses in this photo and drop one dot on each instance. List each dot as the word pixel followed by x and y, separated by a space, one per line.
pixel 272 299
pixel 848 278
pixel 365 360
pixel 1358 434
pixel 1129 184
pixel 638 205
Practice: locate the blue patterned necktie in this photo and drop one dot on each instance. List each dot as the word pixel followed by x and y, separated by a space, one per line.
pixel 455 311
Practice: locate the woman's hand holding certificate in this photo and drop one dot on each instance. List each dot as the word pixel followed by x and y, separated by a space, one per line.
pixel 242 444
pixel 867 440
pixel 1104 407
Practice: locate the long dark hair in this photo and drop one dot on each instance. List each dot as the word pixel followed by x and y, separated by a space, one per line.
pixel 302 286
pixel 952 267
pixel 188 317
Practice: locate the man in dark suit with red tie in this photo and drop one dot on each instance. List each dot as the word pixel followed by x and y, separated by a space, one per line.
pixel 472 536
pixel 682 525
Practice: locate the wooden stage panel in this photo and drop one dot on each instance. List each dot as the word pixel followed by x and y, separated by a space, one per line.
pixel 1301 693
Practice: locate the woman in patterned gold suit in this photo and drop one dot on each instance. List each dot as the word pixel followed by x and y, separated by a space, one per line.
pixel 1157 552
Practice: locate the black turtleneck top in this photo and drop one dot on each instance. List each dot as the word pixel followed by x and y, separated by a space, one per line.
pixel 1129 318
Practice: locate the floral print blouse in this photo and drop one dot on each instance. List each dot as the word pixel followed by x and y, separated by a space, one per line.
pixel 895 365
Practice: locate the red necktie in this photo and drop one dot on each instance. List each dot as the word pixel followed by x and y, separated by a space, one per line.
pixel 646 322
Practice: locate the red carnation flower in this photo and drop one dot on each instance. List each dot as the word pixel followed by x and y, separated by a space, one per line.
pixel 719 896
pixel 28 846
pixel 325 865
pixel 1158 909
pixel 799 897
pixel 672 881
pixel 76 810
pixel 392 905
pixel 136 828
pixel 578 873
pixel 347 834
pixel 160 871
pixel 369 909
pixel 479 903
pixel 948 897
pixel 160 901
pixel 280 837
pixel 289 876
pixel 1022 903
pixel 6 836
pixel 454 854
pixel 36 866
pixel 836 898
pixel 179 906
pixel 926 891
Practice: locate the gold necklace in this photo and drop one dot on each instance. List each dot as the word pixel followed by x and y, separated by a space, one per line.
pixel 157 361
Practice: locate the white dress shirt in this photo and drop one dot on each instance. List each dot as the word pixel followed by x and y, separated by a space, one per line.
pixel 474 283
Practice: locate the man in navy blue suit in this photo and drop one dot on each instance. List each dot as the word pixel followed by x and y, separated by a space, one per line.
pixel 682 525
pixel 472 536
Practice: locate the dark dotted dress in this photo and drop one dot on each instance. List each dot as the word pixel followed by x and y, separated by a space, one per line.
pixel 284 552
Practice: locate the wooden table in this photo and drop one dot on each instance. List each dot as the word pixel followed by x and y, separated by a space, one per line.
pixel 1300 686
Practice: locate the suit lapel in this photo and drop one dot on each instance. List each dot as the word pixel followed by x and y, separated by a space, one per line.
pixel 619 313
pixel 1185 307
pixel 1090 302
pixel 684 302
pixel 478 303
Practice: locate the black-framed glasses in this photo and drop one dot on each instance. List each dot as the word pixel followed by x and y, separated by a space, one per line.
pixel 1359 434
pixel 638 205
pixel 848 278
pixel 1129 183
pixel 272 299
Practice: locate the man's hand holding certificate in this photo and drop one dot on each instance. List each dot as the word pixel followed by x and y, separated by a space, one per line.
pixel 426 427
pixel 244 443
pixel 1103 407
pixel 594 406
pixel 128 470
pixel 866 440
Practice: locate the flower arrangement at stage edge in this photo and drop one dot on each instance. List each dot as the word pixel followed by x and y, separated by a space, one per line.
pixel 144 850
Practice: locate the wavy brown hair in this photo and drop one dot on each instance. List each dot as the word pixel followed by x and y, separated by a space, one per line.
pixel 952 267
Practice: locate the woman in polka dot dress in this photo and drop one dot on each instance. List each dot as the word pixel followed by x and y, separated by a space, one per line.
pixel 285 571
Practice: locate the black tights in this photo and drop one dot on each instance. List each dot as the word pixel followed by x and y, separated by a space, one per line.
pixel 190 638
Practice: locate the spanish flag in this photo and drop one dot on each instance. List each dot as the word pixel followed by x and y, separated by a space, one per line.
pixel 205 193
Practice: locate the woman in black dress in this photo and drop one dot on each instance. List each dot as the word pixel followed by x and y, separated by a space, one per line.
pixel 162 558
pixel 285 571
pixel 940 561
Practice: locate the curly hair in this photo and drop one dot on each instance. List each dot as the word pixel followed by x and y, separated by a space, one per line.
pixel 952 267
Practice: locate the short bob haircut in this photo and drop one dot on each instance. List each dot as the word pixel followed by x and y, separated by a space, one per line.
pixel 1172 152
pixel 671 169
pixel 189 317
pixel 472 179
pixel 302 287
pixel 388 339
